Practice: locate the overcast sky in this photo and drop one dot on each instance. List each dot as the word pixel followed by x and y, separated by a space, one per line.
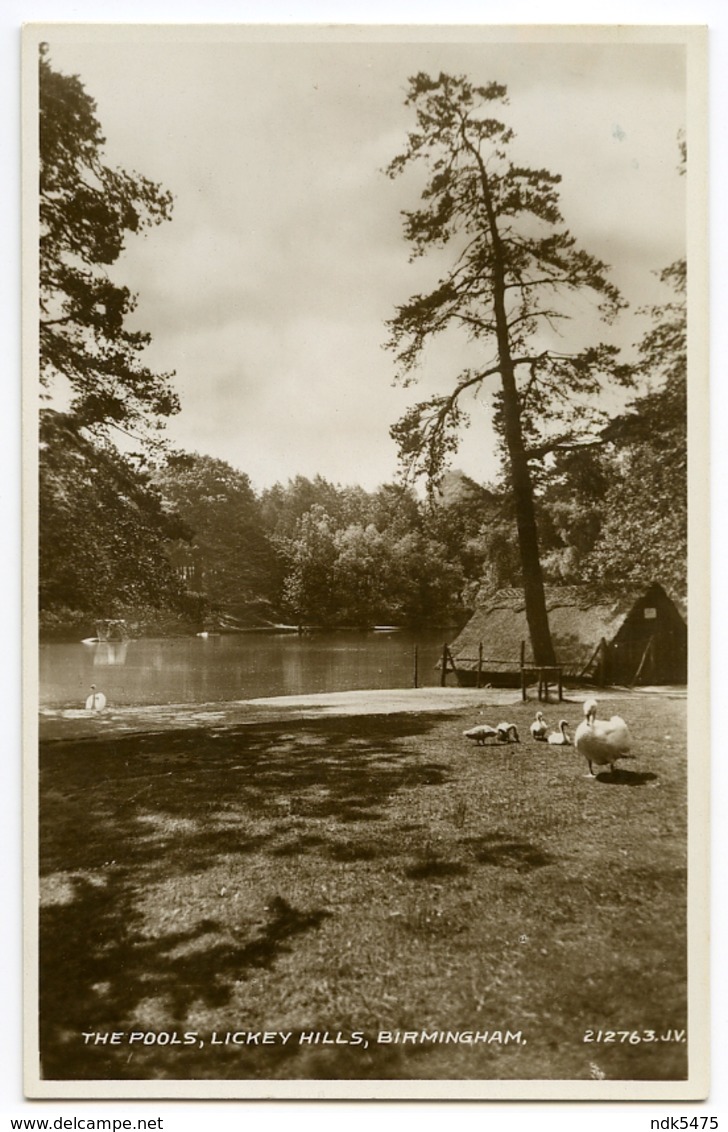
pixel 269 290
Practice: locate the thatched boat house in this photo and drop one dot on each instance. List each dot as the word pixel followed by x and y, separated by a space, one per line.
pixel 617 635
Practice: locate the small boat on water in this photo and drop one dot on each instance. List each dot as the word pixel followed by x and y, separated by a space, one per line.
pixel 108 631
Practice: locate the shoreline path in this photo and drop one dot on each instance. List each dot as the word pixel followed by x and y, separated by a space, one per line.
pixel 77 723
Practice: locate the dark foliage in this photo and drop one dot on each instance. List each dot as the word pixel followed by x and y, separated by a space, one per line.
pixel 86 212
pixel 102 529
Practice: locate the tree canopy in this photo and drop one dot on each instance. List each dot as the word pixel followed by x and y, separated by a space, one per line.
pixel 235 562
pixel 87 210
pixel 649 479
pixel 192 535
pixel 103 530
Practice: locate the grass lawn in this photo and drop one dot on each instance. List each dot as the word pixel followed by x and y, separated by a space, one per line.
pixel 351 877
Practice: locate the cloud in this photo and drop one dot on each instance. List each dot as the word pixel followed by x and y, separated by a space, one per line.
pixel 269 290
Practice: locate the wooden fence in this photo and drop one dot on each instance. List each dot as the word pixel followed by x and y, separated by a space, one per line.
pixel 545 675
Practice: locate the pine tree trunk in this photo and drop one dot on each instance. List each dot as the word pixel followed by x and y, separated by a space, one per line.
pixel 535 598
pixel 536 615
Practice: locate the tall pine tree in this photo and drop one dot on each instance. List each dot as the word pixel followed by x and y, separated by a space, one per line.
pixel 512 260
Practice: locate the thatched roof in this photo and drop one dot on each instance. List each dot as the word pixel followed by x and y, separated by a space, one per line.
pixel 579 616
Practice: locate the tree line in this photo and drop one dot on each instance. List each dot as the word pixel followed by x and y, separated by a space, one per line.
pixel 191 545
pixel 183 540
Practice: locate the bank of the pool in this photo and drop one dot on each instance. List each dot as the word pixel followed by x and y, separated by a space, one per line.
pixel 76 723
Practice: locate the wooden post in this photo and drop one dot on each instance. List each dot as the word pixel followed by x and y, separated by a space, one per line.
pixel 443 672
pixel 645 655
pixel 415 674
pixel 524 695
pixel 602 665
pixel 480 664
pixel 561 684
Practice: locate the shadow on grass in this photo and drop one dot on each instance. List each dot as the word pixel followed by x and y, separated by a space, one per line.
pixel 97 967
pixel 119 817
pixel 621 777
pixel 507 853
pixel 365 850
pixel 434 869
pixel 198 797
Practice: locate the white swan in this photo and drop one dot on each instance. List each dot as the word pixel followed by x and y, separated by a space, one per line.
pixel 561 737
pixel 507 733
pixel 96 701
pixel 480 733
pixel 602 741
pixel 539 727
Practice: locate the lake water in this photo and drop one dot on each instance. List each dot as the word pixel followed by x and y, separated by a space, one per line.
pixel 236 667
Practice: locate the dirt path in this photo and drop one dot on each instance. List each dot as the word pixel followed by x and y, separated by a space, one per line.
pixel 76 723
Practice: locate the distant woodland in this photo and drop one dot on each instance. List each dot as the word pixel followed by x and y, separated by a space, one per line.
pixel 193 546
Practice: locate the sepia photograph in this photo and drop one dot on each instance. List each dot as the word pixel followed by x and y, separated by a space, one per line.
pixel 365 379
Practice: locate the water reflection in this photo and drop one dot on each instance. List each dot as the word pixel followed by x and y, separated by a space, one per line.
pixel 109 652
pixel 235 667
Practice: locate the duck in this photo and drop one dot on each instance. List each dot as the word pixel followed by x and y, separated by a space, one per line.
pixel 507 733
pixel 539 727
pixel 602 741
pixel 561 737
pixel 480 733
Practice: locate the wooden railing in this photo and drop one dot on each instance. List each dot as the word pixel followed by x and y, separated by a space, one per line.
pixel 546 675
